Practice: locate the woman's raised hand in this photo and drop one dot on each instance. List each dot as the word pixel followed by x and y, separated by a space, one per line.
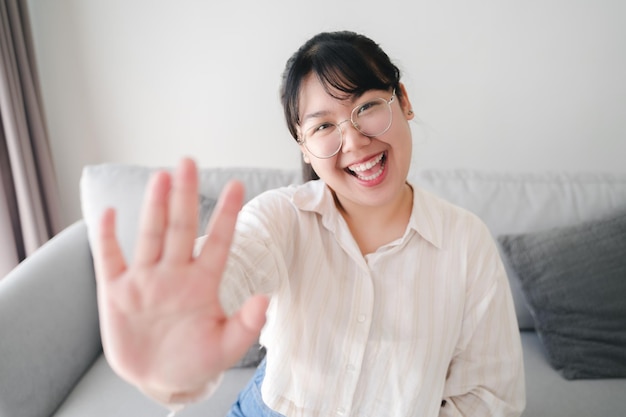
pixel 163 328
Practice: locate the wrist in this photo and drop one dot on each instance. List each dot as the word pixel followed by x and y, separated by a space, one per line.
pixel 177 400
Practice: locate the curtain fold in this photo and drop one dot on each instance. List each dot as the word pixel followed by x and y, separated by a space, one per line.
pixel 29 200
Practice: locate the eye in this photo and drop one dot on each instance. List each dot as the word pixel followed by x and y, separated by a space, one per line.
pixel 368 107
pixel 320 129
pixel 322 126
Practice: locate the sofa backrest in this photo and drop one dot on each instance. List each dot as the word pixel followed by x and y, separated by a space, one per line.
pixel 522 202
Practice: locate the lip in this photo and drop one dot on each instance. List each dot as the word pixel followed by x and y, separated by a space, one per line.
pixel 374 181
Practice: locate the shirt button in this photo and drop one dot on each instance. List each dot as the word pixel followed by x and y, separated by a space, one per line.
pixel 361 318
pixel 341 411
pixel 350 368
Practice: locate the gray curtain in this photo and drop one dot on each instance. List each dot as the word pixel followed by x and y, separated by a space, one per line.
pixel 29 202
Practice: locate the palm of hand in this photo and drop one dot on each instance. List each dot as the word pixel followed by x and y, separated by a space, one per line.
pixel 162 325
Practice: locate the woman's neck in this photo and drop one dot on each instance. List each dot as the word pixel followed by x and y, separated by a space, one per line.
pixel 373 227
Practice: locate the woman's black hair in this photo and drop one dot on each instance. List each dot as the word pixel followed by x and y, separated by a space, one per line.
pixel 346 63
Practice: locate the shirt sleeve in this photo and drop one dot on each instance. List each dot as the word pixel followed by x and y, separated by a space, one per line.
pixel 486 374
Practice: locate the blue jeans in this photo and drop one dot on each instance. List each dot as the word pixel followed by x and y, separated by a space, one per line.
pixel 249 403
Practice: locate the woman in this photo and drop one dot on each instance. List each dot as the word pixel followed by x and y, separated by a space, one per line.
pixel 380 298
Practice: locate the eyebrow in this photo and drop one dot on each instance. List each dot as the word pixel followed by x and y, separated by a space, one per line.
pixel 315 115
pixel 356 101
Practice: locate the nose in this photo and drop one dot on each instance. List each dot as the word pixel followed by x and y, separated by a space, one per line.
pixel 352 139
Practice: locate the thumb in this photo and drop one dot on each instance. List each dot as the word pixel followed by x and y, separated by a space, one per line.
pixel 243 328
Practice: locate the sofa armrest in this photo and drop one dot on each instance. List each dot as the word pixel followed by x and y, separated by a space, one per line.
pixel 48 325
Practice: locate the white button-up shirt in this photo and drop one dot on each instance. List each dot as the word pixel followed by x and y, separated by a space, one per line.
pixel 424 326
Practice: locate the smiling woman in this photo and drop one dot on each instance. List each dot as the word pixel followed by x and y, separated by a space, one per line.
pixel 370 295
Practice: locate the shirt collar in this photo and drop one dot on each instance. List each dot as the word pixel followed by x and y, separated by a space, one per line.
pixel 426 216
pixel 316 196
pixel 426 219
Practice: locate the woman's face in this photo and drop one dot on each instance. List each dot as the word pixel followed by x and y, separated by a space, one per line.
pixel 367 171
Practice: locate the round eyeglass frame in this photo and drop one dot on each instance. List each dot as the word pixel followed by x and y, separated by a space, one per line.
pixel 302 141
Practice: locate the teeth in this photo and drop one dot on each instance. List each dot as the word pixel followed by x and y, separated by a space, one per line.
pixel 367 165
pixel 371 177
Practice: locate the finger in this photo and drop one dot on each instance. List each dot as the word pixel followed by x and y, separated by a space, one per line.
pixel 108 258
pixel 153 219
pixel 243 328
pixel 182 226
pixel 220 230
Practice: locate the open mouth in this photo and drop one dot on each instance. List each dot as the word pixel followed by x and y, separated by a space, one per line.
pixel 369 170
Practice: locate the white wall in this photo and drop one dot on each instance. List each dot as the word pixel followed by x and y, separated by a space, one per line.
pixel 518 85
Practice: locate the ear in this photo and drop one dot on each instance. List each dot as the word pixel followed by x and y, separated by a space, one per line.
pixel 305 154
pixel 405 103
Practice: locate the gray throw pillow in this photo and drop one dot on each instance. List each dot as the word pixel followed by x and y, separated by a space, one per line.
pixel 574 280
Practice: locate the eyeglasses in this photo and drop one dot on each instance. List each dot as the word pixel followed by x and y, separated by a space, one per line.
pixel 373 118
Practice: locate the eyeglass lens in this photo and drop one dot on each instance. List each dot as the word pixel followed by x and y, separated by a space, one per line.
pixel 372 118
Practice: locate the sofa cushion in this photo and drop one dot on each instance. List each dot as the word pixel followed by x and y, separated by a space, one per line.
pixel 574 279
pixel 122 187
pixel 550 395
pixel 102 393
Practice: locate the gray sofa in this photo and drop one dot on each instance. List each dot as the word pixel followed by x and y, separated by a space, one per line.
pixel 51 361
